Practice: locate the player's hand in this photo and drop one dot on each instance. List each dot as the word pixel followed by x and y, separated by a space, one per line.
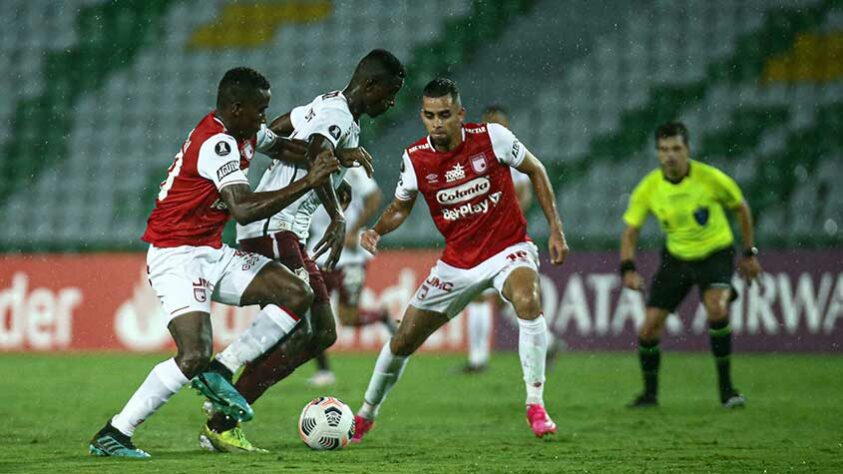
pixel 321 169
pixel 633 280
pixel 333 240
pixel 558 247
pixel 369 240
pixel 354 157
pixel 749 269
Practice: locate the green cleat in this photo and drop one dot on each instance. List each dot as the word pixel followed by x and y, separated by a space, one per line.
pixel 231 441
pixel 225 398
pixel 110 442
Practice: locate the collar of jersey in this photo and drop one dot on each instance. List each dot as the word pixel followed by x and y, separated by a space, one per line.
pixel 690 167
pixel 462 133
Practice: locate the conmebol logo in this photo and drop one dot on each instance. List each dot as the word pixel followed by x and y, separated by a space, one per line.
pixel 464 192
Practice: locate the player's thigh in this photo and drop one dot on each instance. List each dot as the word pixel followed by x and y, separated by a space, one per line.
pixel 671 283
pixel 416 326
pixel 276 284
pixel 183 278
pixel 448 290
pixel 714 277
pixel 322 324
pixel 516 277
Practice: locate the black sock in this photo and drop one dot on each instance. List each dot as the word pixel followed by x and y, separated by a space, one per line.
pixel 650 357
pixel 218 367
pixel 720 333
pixel 322 362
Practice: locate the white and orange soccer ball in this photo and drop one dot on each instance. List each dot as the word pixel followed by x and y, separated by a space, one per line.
pixel 326 423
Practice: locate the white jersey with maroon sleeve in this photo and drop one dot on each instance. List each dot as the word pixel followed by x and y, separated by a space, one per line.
pixel 328 115
pixel 189 210
pixel 469 192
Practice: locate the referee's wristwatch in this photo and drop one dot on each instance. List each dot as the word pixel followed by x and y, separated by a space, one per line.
pixel 750 252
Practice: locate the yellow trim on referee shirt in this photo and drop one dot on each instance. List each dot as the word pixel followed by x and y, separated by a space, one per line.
pixel 691 212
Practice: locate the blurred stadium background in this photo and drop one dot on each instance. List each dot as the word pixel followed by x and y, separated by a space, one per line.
pixel 97 96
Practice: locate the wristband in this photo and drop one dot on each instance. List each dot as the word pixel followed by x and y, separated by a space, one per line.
pixel 750 252
pixel 627 266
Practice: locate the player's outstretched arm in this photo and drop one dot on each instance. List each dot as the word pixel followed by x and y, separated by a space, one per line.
pixel 532 167
pixel 631 278
pixel 748 266
pixel 392 217
pixel 246 206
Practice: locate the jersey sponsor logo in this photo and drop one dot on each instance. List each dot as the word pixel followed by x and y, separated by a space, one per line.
pixel 478 162
pixel 418 147
pixel 455 174
pixel 477 130
pixel 518 255
pixel 464 192
pixel 222 148
pixel 469 209
pixel 701 216
pixel 435 282
pixel 227 169
pixel 335 132
pixel 431 178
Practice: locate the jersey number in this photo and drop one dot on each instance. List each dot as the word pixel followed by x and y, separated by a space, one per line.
pixel 172 172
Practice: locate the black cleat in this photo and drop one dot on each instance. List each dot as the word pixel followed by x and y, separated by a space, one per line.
pixel 645 400
pixel 472 369
pixel 109 441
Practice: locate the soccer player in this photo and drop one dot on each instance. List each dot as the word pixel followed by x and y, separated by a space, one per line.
pixel 329 123
pixel 462 170
pixel 479 312
pixel 188 265
pixel 689 200
pixel 349 275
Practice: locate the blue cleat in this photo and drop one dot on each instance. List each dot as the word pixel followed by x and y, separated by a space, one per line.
pixel 224 397
pixel 110 442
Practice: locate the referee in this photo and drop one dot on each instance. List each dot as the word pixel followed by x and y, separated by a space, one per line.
pixel 688 198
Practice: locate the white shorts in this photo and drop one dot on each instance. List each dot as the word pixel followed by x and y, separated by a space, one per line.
pixel 448 290
pixel 187 278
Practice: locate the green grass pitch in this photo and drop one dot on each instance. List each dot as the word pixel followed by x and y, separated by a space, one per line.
pixel 438 421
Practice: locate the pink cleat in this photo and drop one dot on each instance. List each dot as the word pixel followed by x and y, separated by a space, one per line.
pixel 361 427
pixel 538 420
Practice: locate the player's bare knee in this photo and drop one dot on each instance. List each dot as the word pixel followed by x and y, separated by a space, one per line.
pixel 526 305
pixel 402 347
pixel 195 360
pixel 717 312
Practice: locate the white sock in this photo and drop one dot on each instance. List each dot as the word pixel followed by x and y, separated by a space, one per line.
pixel 388 369
pixel 479 332
pixel 269 326
pixel 164 380
pixel 532 349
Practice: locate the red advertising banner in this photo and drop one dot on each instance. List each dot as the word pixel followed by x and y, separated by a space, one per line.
pixel 104 302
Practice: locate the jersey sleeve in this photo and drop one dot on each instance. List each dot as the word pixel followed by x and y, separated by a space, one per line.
pixel 407 185
pixel 265 139
pixel 639 207
pixel 726 189
pixel 329 121
pixel 507 148
pixel 219 161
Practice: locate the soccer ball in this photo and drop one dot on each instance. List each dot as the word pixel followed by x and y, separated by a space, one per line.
pixel 326 423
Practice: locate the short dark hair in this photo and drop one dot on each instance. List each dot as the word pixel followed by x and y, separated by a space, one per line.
pixel 379 64
pixel 441 87
pixel 495 109
pixel 673 129
pixel 240 84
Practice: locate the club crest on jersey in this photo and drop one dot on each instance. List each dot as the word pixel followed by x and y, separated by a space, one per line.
pixel 454 174
pixel 335 132
pixel 701 216
pixel 478 162
pixel 222 148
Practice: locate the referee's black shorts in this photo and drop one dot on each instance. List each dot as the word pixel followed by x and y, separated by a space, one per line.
pixel 675 277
